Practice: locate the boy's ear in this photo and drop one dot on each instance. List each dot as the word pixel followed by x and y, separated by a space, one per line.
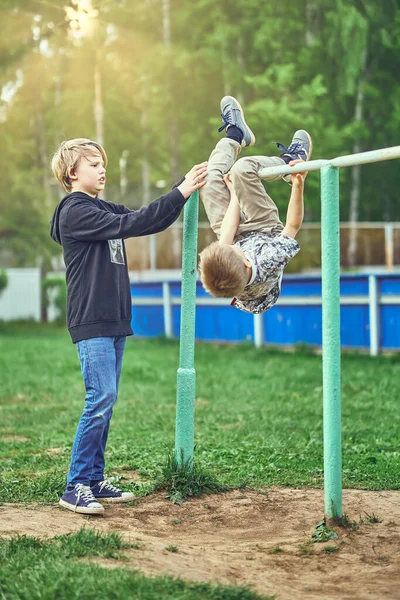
pixel 247 264
pixel 71 174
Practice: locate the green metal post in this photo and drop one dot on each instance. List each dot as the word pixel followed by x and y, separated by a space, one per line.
pixel 330 229
pixel 186 379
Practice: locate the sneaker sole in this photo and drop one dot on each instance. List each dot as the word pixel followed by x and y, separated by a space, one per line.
pixel 311 146
pixel 252 136
pixel 288 178
pixel 81 509
pixel 115 500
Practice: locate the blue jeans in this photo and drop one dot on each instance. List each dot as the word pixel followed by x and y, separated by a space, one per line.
pixel 101 363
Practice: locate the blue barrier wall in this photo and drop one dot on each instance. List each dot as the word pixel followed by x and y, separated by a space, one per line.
pixel 297 317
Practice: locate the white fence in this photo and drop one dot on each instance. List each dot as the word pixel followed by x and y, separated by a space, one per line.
pixel 22 297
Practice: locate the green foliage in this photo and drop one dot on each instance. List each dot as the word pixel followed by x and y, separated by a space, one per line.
pixel 373 518
pixel 331 549
pixel 347 523
pixel 55 294
pixel 3 280
pixel 254 424
pixel 87 542
pixel 323 533
pixel 292 67
pixel 185 478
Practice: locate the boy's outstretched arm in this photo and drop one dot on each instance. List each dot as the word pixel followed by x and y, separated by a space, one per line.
pixel 295 211
pixel 87 222
pixel 231 220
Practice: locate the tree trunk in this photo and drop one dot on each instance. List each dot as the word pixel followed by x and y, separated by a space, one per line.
pixel 43 153
pixel 149 247
pixel 98 101
pixel 311 18
pixel 123 179
pixel 58 94
pixel 226 82
pixel 146 161
pixel 356 173
pixel 241 67
pixel 173 133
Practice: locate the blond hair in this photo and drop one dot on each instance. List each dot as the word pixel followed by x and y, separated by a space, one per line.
pixel 68 156
pixel 222 272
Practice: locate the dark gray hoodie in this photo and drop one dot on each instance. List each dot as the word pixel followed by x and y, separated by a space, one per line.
pixel 91 232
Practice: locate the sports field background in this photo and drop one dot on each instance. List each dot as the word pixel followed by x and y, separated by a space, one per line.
pixel 258 414
pixel 258 423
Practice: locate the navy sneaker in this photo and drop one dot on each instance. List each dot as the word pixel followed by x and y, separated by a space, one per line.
pixel 81 500
pixel 106 492
pixel 232 114
pixel 300 149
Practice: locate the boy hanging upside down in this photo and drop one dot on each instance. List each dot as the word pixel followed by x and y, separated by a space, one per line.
pixel 253 245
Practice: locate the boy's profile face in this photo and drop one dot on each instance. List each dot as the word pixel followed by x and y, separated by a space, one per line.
pixel 90 174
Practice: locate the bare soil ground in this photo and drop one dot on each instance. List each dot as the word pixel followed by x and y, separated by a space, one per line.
pixel 232 538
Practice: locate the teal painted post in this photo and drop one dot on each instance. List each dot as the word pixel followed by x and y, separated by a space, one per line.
pixel 330 230
pixel 186 379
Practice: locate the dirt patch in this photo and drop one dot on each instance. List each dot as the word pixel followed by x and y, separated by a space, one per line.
pixel 247 538
pixel 14 438
pixel 129 476
pixel 54 451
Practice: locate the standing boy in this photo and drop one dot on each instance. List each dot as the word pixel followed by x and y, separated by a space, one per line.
pixel 91 232
pixel 253 245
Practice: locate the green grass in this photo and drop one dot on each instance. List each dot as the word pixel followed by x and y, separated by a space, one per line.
pixel 258 423
pixel 323 533
pixel 258 415
pixel 31 569
pixel 184 478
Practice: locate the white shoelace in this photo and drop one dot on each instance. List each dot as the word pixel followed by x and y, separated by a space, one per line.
pixel 108 486
pixel 84 492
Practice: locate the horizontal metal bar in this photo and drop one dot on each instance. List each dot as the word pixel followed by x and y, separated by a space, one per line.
pixel 204 301
pixel 145 301
pixel 176 301
pixel 317 225
pixel 356 224
pixel 317 300
pixel 349 160
pixel 390 299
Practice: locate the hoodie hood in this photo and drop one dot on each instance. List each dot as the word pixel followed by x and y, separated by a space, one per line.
pixel 55 221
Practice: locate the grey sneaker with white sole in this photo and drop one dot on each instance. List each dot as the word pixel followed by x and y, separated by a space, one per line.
pixel 232 114
pixel 300 148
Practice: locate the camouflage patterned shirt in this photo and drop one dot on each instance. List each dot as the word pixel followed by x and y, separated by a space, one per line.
pixel 268 254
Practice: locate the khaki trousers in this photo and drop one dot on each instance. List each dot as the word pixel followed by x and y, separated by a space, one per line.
pixel 258 211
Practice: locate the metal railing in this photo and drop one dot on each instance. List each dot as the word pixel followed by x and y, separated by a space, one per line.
pixel 373 300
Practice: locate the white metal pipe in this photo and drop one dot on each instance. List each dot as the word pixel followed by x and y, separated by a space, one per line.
pixel 349 160
pixel 153 252
pixel 167 305
pixel 258 321
pixel 389 300
pixel 373 315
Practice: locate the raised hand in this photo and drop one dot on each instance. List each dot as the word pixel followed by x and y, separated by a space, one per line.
pixel 298 178
pixel 194 179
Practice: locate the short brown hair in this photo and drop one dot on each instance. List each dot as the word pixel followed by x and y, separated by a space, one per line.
pixel 222 272
pixel 68 156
